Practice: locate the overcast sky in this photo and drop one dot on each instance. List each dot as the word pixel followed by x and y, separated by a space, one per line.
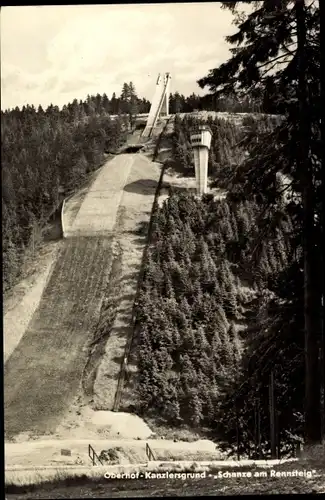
pixel 58 53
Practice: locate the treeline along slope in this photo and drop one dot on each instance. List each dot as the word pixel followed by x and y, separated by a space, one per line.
pixel 48 153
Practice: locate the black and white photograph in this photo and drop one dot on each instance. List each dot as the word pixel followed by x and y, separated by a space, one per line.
pixel 163 249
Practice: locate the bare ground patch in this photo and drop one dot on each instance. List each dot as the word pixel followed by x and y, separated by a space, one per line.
pixel 22 301
pixel 72 207
pixel 104 328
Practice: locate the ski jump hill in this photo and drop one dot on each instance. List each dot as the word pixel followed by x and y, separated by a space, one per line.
pixel 61 355
pixel 104 234
pixel 43 373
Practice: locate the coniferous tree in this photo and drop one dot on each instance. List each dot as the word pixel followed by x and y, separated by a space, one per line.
pixel 47 152
pixel 290 39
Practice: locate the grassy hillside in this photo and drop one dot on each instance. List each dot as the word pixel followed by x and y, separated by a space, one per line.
pixel 47 365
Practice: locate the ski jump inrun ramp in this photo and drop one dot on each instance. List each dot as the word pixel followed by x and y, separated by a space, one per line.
pixel 160 104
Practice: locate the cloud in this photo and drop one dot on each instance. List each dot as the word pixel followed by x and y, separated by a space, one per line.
pixel 55 54
pixel 114 39
pixel 50 83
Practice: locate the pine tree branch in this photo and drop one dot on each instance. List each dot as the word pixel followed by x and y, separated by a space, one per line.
pixel 271 61
pixel 285 47
pixel 263 78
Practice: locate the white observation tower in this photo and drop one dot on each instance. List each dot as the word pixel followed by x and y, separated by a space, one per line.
pixel 201 141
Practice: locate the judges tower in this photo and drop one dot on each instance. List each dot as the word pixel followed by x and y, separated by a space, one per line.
pixel 201 141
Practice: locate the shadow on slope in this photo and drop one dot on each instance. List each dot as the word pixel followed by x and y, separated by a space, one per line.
pixel 143 186
pixel 106 321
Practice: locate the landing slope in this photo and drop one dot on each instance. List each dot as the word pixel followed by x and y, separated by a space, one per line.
pixel 97 214
pixel 44 371
pixel 131 237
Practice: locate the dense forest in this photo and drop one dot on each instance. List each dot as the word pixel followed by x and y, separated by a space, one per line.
pixel 178 103
pixel 48 153
pixel 202 298
pixel 228 143
pixel 193 300
pixel 60 148
pixel 232 306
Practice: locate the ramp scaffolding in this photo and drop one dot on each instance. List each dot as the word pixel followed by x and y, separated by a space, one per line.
pixel 160 103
